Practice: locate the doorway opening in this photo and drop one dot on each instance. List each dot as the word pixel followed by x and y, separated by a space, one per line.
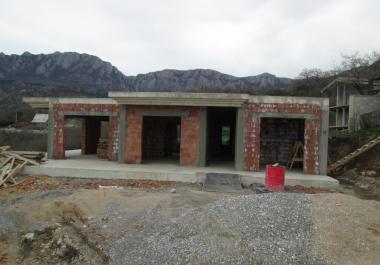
pixel 221 131
pixel 278 137
pixel 161 139
pixel 92 140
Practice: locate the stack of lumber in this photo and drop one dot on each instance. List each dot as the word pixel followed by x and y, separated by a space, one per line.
pixel 13 162
pixel 102 148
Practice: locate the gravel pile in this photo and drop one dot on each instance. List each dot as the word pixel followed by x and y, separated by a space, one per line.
pixel 274 228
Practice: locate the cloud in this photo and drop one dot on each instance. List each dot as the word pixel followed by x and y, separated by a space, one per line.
pixel 237 37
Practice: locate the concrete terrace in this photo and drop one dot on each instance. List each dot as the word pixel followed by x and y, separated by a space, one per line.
pixel 88 166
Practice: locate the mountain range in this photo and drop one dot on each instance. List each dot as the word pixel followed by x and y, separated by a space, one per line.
pixel 67 74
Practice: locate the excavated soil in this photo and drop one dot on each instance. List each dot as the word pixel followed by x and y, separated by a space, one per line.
pixel 74 221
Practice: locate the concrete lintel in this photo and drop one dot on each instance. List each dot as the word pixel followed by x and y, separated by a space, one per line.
pixel 162 113
pixel 306 116
pixel 88 113
pixel 289 100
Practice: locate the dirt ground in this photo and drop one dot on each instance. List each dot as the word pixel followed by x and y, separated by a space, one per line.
pixel 46 220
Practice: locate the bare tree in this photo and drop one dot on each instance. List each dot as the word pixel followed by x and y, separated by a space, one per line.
pixel 359 65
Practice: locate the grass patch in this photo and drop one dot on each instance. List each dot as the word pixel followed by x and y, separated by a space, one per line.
pixel 360 134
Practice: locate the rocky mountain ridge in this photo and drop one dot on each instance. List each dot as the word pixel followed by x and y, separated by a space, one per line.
pixel 67 74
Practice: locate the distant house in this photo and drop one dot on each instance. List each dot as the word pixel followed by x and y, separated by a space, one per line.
pixel 40 118
pixel 350 98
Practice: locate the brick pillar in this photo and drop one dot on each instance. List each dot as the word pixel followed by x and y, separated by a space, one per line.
pixel 190 135
pixel 311 148
pixel 58 136
pixel 113 138
pixel 133 146
pixel 251 141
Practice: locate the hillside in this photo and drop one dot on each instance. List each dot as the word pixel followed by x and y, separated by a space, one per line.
pixel 72 74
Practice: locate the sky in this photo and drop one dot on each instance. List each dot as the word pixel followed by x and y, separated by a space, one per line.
pixel 239 37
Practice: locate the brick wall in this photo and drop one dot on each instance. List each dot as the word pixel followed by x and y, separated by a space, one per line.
pixel 59 121
pixel 252 133
pixel 189 133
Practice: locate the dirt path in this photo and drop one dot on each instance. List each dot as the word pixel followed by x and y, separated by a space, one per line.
pixel 347 229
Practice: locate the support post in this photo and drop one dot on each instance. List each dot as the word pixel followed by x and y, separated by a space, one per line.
pixel 122 126
pixel 202 137
pixel 239 141
pixel 50 138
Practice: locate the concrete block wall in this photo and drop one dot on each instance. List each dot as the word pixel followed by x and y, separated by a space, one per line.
pixel 190 132
pixel 277 139
pixel 59 111
pixel 252 118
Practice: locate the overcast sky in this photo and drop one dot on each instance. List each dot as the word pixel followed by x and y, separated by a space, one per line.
pixel 238 37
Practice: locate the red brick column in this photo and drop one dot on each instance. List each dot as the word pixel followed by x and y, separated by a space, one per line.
pixel 58 136
pixel 113 138
pixel 190 139
pixel 251 140
pixel 133 146
pixel 311 148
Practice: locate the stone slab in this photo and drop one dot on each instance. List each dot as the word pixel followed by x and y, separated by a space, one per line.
pixel 222 182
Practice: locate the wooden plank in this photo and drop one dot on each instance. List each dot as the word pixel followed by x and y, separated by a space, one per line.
pixel 22 158
pixel 354 154
pixel 3 174
pixel 5 162
pixel 16 170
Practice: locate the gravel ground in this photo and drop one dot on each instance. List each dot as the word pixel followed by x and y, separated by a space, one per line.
pixel 347 229
pixel 253 229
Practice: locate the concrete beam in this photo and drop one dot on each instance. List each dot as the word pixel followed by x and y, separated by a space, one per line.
pixel 122 127
pixel 323 141
pixel 179 99
pixel 50 138
pixel 289 100
pixel 88 113
pixel 284 115
pixel 162 113
pixel 202 137
pixel 239 139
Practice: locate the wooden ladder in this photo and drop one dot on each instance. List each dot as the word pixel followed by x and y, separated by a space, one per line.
pixel 350 156
pixel 296 155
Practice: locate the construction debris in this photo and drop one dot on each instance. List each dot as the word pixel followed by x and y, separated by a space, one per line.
pixel 13 162
pixel 102 149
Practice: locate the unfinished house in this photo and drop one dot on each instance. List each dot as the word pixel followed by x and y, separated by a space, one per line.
pixel 236 131
pixel 350 99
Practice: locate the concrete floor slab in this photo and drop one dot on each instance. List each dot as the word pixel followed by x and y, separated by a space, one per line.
pixel 88 166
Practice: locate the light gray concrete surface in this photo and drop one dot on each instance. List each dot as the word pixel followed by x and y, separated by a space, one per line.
pixel 89 166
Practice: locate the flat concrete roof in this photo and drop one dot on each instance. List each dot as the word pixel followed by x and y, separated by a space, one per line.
pixel 44 102
pixel 179 98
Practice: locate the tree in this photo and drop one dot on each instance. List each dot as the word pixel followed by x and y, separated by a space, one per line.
pixel 360 66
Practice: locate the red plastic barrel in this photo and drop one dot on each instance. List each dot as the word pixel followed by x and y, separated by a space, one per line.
pixel 274 178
